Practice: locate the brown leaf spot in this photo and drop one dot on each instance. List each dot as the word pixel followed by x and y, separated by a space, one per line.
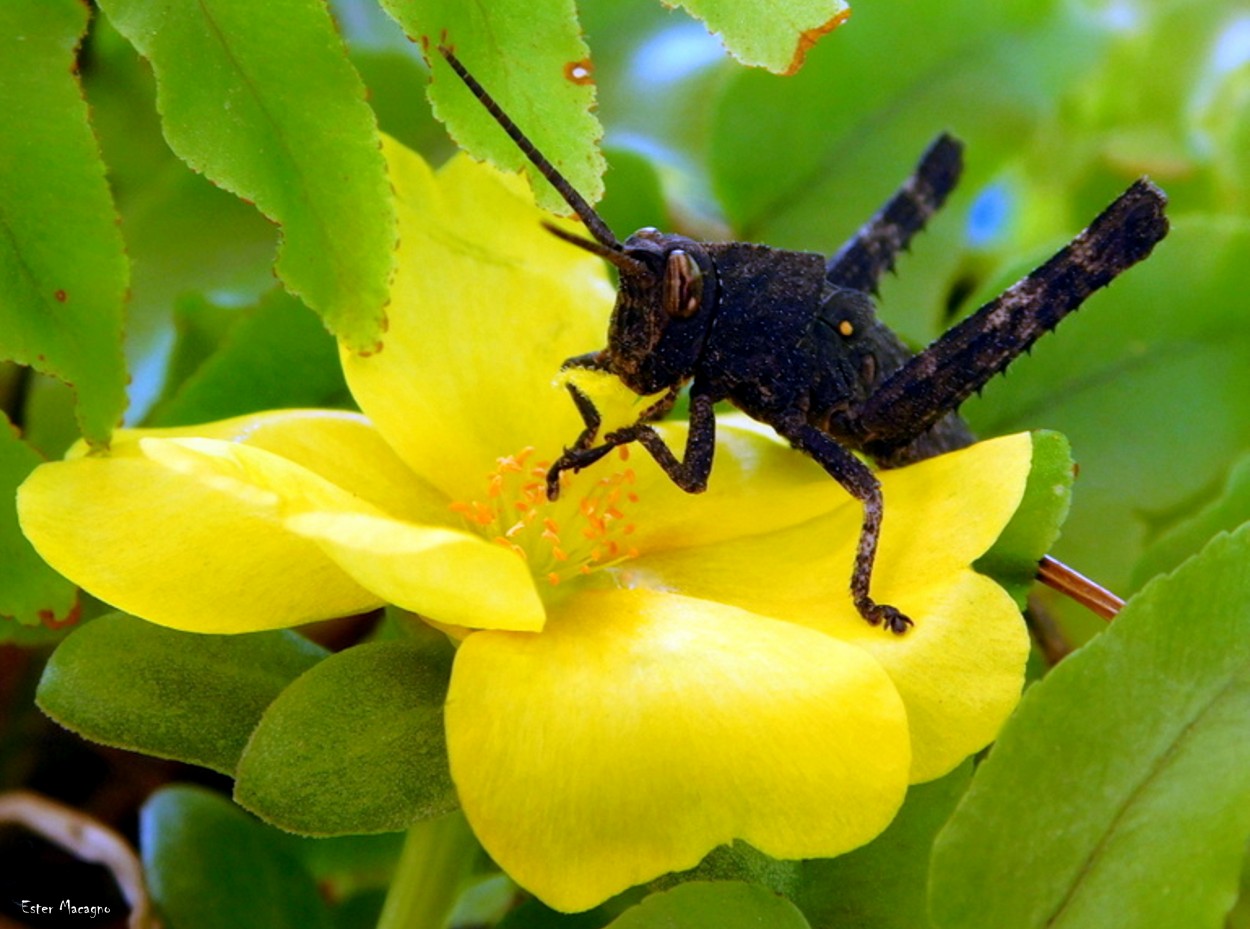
pixel 811 37
pixel 579 72
pixel 61 296
pixel 48 617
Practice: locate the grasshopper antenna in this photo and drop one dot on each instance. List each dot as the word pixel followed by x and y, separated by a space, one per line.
pixel 611 248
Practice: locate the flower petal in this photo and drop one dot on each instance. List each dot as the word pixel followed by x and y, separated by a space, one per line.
pixel 640 730
pixel 188 533
pixel 451 577
pixel 485 306
pixel 342 447
pixel 758 485
pixel 960 673
pixel 960 670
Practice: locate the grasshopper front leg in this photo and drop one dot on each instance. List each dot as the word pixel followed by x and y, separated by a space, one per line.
pixel 690 473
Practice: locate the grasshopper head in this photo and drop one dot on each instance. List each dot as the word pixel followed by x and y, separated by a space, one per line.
pixel 663 307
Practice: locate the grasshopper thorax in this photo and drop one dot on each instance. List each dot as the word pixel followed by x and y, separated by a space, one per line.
pixel 664 304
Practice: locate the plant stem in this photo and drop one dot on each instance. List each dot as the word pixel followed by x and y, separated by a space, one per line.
pixel 438 855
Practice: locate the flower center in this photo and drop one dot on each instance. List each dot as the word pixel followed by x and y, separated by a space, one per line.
pixel 559 540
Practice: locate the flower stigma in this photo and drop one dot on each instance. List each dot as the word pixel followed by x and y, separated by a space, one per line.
pixel 572 536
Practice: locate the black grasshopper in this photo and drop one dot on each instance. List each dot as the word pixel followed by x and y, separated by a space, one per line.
pixel 793 340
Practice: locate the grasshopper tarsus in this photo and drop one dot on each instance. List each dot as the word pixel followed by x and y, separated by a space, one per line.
pixel 880 614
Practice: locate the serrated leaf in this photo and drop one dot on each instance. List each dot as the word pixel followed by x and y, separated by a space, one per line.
pixel 776 36
pixel 196 698
pixel 275 354
pixel 392 67
pixel 545 86
pixel 262 100
pixel 63 270
pixel 183 234
pixel 211 866
pixel 1119 793
pixel 30 591
pixel 355 745
pixel 884 885
pixel 712 905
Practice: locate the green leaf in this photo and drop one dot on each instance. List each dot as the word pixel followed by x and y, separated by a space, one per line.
pixel 186 236
pixel 1119 792
pixel 776 36
pixel 355 745
pixel 63 270
pixel 275 354
pixel 183 234
pixel 1033 529
pixel 884 885
pixel 211 866
pixel 262 100
pixel 544 86
pixel 713 905
pixel 30 591
pixel 741 862
pixel 196 698
pixel 1227 512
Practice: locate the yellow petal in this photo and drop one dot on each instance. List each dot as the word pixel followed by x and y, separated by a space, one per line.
pixel 758 485
pixel 961 668
pixel 485 306
pixel 342 447
pixel 960 673
pixel 451 577
pixel 640 730
pixel 190 536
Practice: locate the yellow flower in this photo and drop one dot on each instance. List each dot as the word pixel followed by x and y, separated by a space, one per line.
pixel 642 674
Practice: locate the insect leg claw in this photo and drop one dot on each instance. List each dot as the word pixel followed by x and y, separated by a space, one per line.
pixel 882 614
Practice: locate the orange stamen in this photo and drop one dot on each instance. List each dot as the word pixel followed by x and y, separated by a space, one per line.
pixel 517 499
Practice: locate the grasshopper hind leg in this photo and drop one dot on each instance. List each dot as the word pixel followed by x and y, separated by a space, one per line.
pixel 872 251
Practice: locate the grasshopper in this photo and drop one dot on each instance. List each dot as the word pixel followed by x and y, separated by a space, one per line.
pixel 793 340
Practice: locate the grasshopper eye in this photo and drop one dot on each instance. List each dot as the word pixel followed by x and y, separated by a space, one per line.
pixel 683 285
